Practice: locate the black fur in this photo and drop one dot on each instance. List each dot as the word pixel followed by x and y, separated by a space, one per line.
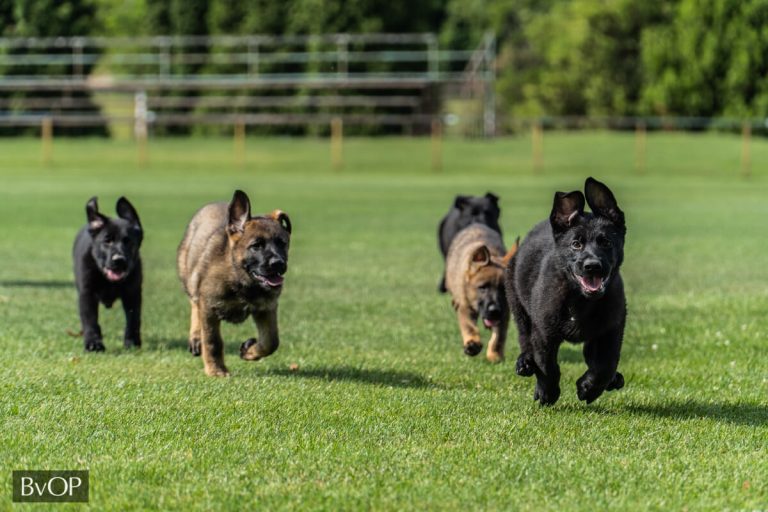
pixel 465 211
pixel 564 284
pixel 107 268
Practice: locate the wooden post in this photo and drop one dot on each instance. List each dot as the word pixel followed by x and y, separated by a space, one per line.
pixel 337 141
pixel 47 140
pixel 437 145
pixel 240 143
pixel 640 147
pixel 537 140
pixel 746 157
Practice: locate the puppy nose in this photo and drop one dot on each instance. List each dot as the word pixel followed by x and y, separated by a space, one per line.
pixel 593 265
pixel 277 265
pixel 493 311
pixel 118 261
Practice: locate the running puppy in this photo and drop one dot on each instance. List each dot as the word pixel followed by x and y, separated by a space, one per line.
pixel 466 210
pixel 474 271
pixel 564 284
pixel 231 266
pixel 107 268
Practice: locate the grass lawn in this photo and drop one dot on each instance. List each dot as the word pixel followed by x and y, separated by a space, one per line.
pixel 385 412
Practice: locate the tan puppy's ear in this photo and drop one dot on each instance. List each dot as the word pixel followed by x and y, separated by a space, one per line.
pixel 481 257
pixel 512 250
pixel 281 217
pixel 239 213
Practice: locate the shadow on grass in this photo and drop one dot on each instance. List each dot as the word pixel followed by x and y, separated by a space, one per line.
pixel 741 414
pixel 37 284
pixel 392 378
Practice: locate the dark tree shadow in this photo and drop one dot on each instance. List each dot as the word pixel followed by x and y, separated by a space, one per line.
pixel 394 378
pixel 740 414
pixel 38 284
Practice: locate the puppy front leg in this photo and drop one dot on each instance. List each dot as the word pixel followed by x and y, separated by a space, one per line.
pixel 495 353
pixel 602 358
pixel 212 345
pixel 89 321
pixel 132 308
pixel 269 338
pixel 547 370
pixel 469 334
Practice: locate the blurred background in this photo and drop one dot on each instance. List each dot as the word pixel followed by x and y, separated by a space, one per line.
pixel 474 68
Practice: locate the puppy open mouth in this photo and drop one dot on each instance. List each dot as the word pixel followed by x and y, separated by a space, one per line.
pixel 275 281
pixel 591 285
pixel 114 275
pixel 490 324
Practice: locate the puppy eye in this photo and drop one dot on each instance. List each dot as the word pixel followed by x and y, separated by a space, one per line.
pixel 108 239
pixel 576 245
pixel 484 286
pixel 604 242
pixel 257 244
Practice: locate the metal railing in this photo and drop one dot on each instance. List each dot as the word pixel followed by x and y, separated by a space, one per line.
pixel 386 79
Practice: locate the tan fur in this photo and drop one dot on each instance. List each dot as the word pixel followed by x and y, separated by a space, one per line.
pixel 219 289
pixel 477 256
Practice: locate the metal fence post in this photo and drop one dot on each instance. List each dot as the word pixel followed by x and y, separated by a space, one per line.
pixel 140 130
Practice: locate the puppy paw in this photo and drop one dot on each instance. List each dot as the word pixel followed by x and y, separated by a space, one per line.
pixel 525 367
pixel 587 390
pixel 194 346
pixel 130 343
pixel 546 396
pixel 94 346
pixel 616 383
pixel 472 347
pixel 495 357
pixel 216 371
pixel 247 353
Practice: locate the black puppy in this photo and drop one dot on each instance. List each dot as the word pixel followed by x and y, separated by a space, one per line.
pixel 467 210
pixel 108 267
pixel 564 284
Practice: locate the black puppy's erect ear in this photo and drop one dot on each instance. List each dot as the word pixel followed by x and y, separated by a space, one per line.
pixel 460 201
pixel 96 221
pixel 492 197
pixel 566 209
pixel 282 218
pixel 239 212
pixel 601 201
pixel 126 211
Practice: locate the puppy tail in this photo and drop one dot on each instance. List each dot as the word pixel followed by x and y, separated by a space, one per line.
pixel 512 250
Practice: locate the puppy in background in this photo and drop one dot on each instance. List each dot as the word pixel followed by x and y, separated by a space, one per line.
pixel 474 273
pixel 232 265
pixel 466 210
pixel 107 268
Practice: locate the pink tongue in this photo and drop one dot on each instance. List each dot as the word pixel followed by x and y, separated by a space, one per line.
pixel 592 283
pixel 274 281
pixel 114 276
pixel 487 323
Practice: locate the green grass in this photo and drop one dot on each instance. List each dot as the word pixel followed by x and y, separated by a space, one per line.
pixel 385 412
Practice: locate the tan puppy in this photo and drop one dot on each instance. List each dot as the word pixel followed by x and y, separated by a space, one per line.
pixel 474 270
pixel 232 267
